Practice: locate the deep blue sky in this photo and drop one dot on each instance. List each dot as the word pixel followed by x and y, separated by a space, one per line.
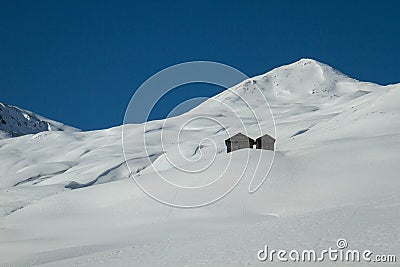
pixel 79 62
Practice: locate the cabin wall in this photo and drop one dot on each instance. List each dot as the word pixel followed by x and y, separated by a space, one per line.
pixel 238 143
pixel 265 143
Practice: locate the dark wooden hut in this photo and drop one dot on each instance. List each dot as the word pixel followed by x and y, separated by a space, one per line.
pixel 265 142
pixel 238 141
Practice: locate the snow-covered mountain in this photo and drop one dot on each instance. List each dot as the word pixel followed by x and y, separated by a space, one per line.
pixel 66 197
pixel 16 122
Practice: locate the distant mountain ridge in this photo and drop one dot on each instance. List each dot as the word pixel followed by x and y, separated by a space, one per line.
pixel 16 122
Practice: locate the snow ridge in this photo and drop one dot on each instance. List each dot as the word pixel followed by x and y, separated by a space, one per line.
pixel 17 122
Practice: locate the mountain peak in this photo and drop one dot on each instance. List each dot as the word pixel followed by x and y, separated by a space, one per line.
pixel 309 62
pixel 16 122
pixel 302 78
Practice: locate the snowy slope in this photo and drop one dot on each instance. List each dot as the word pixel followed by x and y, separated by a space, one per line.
pixel 16 122
pixel 66 198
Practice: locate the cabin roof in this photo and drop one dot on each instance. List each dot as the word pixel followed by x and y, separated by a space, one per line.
pixel 265 136
pixel 240 135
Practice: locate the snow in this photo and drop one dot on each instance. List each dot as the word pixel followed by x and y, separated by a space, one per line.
pixel 16 122
pixel 66 198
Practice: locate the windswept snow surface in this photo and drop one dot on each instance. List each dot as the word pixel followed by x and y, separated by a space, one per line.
pixel 66 198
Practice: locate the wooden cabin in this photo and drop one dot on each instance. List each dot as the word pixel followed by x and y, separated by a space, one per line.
pixel 265 142
pixel 238 141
